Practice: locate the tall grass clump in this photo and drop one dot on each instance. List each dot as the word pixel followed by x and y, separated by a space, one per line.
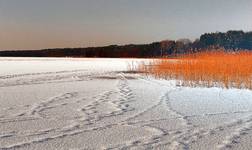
pixel 208 68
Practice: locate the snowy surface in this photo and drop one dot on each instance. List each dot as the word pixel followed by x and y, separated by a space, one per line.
pixel 66 103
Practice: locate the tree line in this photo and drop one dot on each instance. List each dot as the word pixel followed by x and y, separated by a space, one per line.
pixel 231 40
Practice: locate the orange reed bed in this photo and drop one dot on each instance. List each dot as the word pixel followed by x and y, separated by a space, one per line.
pixel 209 68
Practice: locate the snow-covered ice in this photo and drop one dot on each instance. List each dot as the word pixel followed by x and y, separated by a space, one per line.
pixel 77 103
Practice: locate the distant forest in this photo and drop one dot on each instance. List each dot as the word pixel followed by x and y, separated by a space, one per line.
pixel 231 40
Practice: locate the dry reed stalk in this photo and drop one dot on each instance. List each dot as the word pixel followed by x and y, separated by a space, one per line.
pixel 209 68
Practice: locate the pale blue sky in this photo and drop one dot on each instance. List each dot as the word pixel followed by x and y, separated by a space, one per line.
pixel 35 24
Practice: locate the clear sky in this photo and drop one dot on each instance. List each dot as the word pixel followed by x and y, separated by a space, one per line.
pixel 36 24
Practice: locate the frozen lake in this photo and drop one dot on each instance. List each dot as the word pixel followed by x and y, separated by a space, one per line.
pixel 87 103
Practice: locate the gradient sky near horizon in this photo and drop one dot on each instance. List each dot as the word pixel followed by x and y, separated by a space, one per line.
pixel 37 24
